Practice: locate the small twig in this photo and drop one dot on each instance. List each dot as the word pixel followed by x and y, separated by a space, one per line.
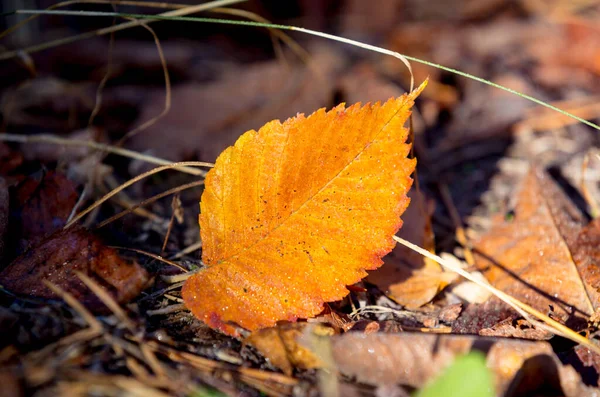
pixel 177 277
pixel 170 227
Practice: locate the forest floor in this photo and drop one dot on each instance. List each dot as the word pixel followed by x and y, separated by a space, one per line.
pixel 507 189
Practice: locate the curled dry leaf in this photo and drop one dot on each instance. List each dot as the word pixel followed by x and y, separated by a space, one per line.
pixel 543 256
pixel 519 367
pixel 58 257
pixel 281 346
pixel 298 210
pixel 406 276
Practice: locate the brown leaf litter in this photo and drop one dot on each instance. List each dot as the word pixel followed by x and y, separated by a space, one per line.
pixel 40 205
pixel 58 257
pixel 542 256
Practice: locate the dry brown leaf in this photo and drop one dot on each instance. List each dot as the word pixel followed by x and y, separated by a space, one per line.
pixel 586 254
pixel 494 318
pixel 412 359
pixel 39 207
pixel 405 276
pixel 537 257
pixel 280 345
pixel 58 257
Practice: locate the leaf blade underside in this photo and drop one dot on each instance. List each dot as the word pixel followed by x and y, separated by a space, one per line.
pixel 296 211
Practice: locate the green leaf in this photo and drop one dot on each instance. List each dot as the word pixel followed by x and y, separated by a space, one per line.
pixel 468 376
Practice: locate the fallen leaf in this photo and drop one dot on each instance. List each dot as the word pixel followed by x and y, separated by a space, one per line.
pixel 537 257
pixel 296 211
pixel 406 276
pixel 58 257
pixel 413 359
pixel 281 347
pixel 586 255
pixel 494 318
pixel 40 205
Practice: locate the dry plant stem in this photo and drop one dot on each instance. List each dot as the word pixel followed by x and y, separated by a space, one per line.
pixel 461 237
pixel 131 182
pixel 52 139
pixel 153 256
pixel 80 200
pixel 174 13
pixel 167 310
pixel 177 278
pixel 141 212
pixel 107 300
pixel 150 201
pixel 552 325
pixel 187 250
pixel 169 228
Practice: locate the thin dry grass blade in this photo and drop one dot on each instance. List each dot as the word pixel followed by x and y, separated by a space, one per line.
pixel 88 317
pixel 107 300
pixel 150 201
pixel 154 256
pixel 131 182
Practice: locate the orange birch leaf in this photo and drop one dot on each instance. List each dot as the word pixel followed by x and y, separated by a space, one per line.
pixel 293 213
